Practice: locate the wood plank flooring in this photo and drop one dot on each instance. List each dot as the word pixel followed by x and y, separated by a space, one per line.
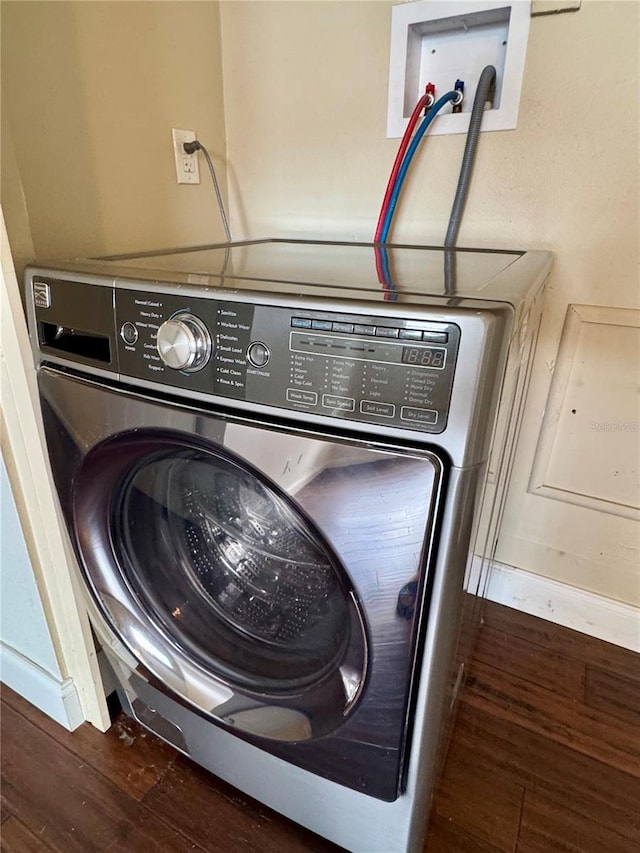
pixel 544 758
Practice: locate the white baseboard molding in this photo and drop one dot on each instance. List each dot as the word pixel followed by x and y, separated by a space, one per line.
pixel 583 611
pixel 58 699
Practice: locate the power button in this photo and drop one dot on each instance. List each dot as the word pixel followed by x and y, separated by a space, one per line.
pixel 258 354
pixel 129 333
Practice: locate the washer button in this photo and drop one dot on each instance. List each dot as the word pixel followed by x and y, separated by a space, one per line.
pixel 258 354
pixel 129 333
pixel 425 416
pixel 361 329
pixel 387 332
pixel 411 334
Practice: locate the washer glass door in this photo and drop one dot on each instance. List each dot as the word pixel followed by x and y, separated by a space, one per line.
pixel 232 569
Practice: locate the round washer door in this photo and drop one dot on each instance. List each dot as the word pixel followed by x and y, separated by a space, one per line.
pixel 226 567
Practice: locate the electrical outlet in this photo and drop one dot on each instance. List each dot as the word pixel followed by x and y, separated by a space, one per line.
pixel 187 171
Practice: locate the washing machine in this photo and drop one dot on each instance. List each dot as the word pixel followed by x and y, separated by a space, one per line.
pixel 283 481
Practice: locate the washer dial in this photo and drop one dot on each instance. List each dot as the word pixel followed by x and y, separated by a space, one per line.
pixel 184 342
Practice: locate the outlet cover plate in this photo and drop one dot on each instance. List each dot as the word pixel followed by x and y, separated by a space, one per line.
pixel 440 41
pixel 187 171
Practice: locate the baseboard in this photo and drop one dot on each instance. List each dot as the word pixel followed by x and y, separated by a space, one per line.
pixel 583 611
pixel 58 699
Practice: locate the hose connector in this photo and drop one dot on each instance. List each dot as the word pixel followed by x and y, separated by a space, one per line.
pixel 457 103
pixel 430 92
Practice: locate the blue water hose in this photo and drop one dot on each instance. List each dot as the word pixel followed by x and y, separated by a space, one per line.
pixel 420 132
pixel 391 294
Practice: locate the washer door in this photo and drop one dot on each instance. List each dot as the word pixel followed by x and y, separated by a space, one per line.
pixel 222 572
pixel 232 569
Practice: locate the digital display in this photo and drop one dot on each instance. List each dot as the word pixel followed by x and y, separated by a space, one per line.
pixel 424 356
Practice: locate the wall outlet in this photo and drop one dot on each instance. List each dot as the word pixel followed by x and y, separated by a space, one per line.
pixel 441 41
pixel 187 171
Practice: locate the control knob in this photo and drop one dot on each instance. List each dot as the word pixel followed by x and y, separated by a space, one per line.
pixel 184 342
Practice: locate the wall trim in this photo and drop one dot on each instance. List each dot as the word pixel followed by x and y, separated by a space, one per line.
pixel 58 699
pixel 23 448
pixel 565 605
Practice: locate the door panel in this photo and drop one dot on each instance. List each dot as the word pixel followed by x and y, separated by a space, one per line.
pixel 572 510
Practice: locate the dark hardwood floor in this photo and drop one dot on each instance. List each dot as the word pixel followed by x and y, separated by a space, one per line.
pixel 545 757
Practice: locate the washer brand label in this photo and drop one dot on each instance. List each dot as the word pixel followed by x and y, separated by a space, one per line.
pixel 41 294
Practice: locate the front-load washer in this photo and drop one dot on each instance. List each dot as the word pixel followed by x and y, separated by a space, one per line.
pixel 282 482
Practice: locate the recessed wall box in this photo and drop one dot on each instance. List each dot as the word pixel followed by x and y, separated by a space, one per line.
pixel 438 41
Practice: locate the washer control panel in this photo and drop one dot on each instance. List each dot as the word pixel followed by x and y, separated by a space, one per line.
pixel 385 370
pixel 379 370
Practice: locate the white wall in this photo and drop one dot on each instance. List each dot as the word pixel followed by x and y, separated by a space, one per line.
pixel 23 626
pixel 305 104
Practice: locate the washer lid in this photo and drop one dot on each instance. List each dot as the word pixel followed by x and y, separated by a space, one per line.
pixel 337 270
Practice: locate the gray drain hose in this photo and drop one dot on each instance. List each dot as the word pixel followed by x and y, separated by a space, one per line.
pixel 483 93
pixel 485 83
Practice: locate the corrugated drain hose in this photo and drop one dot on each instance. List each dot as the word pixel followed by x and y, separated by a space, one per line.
pixel 486 84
